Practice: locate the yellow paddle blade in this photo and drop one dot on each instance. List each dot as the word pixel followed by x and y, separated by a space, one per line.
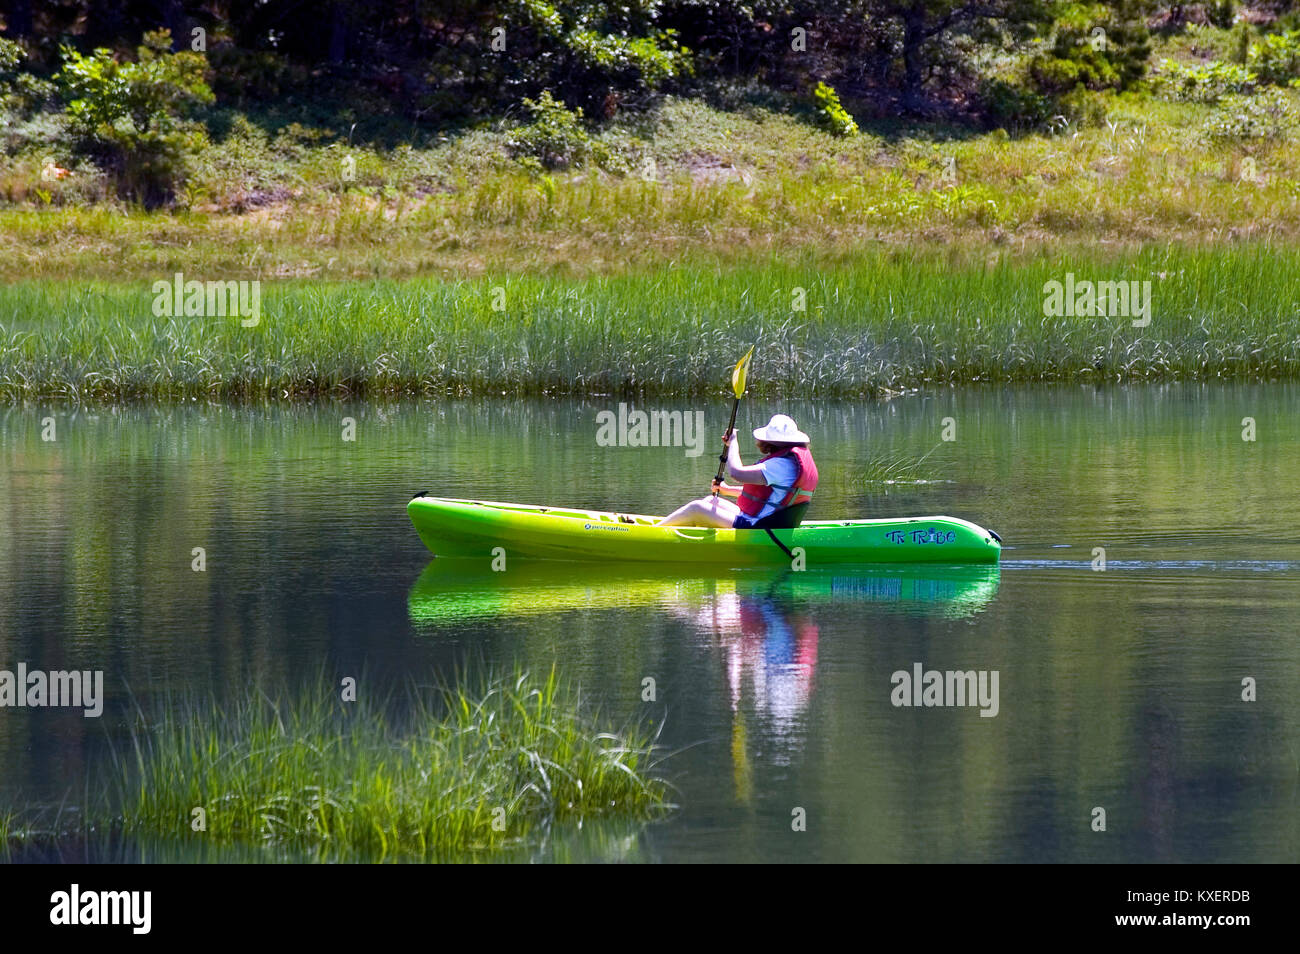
pixel 738 375
pixel 741 772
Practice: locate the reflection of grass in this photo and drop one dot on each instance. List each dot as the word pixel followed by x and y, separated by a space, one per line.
pixel 38 827
pixel 469 772
pixel 878 323
pixel 608 839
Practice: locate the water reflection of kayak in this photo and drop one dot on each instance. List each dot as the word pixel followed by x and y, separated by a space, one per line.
pixel 473 528
pixel 450 590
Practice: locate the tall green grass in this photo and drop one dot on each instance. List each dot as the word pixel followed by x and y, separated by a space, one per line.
pixel 434 778
pixel 876 323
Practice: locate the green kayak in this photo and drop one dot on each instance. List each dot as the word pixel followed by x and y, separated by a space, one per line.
pixel 477 528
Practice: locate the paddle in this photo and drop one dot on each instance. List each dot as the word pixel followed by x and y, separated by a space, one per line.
pixel 738 388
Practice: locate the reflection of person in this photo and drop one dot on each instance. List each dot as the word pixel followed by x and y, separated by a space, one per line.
pixel 779 649
pixel 784 478
pixel 769 654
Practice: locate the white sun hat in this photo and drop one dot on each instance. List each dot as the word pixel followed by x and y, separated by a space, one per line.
pixel 781 430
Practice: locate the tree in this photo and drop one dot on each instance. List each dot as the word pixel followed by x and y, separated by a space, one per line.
pixel 929 27
pixel 1097 46
pixel 128 116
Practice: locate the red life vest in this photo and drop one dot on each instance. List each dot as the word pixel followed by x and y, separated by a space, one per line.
pixel 753 497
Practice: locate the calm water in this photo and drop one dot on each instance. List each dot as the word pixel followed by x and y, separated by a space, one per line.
pixel 1119 689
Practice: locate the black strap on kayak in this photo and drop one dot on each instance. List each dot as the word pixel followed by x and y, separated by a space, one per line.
pixel 784 548
pixel 787 518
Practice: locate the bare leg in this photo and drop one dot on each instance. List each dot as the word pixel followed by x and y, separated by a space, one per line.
pixel 706 512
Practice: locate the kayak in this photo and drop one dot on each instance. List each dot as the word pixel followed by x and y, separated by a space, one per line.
pixel 491 530
pixel 458 590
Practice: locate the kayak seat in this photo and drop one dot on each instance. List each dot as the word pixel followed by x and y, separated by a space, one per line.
pixel 787 518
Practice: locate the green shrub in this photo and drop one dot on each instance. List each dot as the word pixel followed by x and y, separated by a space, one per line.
pixel 555 138
pixel 1269 114
pixel 128 115
pixel 1276 58
pixel 21 94
pixel 1083 108
pixel 597 55
pixel 11 54
pixel 1011 105
pixel 643 63
pixel 1240 43
pixel 1202 84
pixel 1097 46
pixel 831 115
pixel 1222 13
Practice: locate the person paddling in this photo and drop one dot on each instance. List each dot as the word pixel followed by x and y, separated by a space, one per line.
pixel 774 492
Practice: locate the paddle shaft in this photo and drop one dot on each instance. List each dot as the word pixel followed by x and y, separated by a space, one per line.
pixel 722 458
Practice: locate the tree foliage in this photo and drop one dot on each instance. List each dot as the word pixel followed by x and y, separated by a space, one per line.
pixel 129 115
pixel 405 65
pixel 1097 46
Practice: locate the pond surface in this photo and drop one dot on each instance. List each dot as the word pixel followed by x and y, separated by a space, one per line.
pixel 1118 688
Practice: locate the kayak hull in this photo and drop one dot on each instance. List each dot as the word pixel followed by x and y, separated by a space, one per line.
pixel 476 528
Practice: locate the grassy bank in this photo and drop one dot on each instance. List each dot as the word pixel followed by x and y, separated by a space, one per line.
pixel 706 182
pixel 469 772
pixel 885 322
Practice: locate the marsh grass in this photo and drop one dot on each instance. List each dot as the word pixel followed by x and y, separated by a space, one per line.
pixel 439 776
pixel 871 324
pixel 890 468
pixel 36 825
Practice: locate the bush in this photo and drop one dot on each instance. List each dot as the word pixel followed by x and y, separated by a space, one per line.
pixel 1016 106
pixel 598 55
pixel 556 138
pixel 127 116
pixel 1267 115
pixel 1010 105
pixel 1222 13
pixel 1240 43
pixel 11 54
pixel 21 94
pixel 1276 58
pixel 831 115
pixel 1202 84
pixel 1082 108
pixel 1097 46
